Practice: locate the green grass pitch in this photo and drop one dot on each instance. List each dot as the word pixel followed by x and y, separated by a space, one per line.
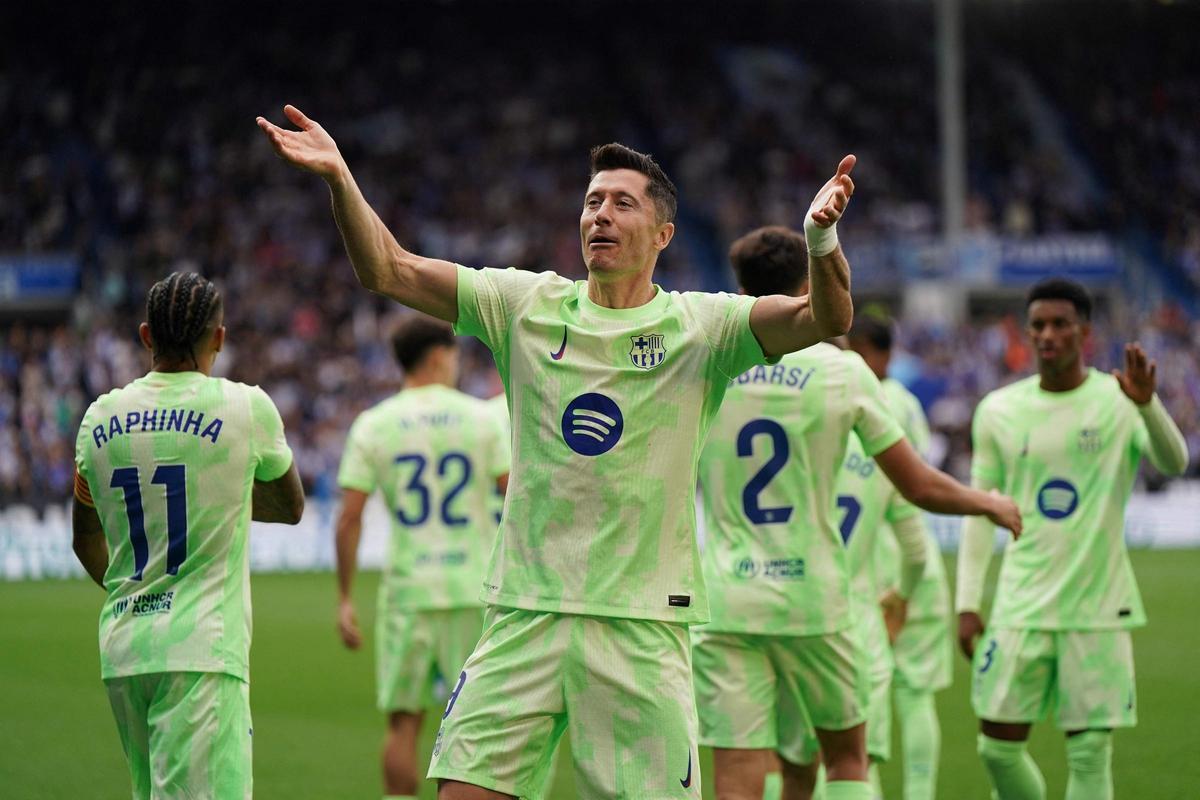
pixel 317 734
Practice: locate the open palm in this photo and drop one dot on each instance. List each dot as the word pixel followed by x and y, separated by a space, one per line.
pixel 311 148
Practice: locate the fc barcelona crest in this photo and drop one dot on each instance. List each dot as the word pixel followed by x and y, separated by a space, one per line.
pixel 647 350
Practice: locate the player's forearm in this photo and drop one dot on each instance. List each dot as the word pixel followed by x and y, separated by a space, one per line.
pixel 910 534
pixel 933 490
pixel 829 293
pixel 88 542
pixel 349 532
pixel 974 555
pixel 382 265
pixel 1167 447
pixel 280 500
pixel 372 249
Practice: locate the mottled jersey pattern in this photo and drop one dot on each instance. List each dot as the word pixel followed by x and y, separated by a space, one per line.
pixel 1069 459
pixel 434 453
pixel 774 559
pixel 609 409
pixel 171 460
pixel 931 596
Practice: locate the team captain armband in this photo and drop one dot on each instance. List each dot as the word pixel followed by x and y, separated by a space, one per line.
pixel 83 492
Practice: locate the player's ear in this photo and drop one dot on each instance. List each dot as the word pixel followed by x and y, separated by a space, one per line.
pixel 144 335
pixel 218 339
pixel 663 236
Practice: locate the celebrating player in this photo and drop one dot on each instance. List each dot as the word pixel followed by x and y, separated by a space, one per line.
pixel 612 384
pixel 436 454
pixel 1067 441
pixel 780 651
pixel 170 471
pixel 922 650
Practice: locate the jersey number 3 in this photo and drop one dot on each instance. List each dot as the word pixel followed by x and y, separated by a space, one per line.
pixel 173 477
pixel 779 456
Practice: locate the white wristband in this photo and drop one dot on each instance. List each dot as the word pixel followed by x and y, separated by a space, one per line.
pixel 820 241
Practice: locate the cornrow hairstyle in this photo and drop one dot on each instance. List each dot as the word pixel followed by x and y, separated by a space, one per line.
pixel 416 336
pixel 770 260
pixel 179 309
pixel 659 187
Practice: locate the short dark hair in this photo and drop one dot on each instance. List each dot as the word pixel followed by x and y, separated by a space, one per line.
pixel 416 336
pixel 180 310
pixel 874 329
pixel 660 188
pixel 1062 289
pixel 770 260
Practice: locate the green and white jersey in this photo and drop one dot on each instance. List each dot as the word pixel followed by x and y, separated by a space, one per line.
pixel 931 596
pixel 609 411
pixel 435 454
pixel 171 461
pixel 868 503
pixel 499 407
pixel 774 559
pixel 1069 460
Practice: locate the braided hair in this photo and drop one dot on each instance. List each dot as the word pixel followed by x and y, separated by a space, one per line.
pixel 179 310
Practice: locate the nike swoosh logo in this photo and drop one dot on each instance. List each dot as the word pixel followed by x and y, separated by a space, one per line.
pixel 686 782
pixel 562 348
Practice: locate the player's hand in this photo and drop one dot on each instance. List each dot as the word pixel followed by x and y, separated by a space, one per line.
pixel 830 203
pixel 348 625
pixel 970 628
pixel 895 613
pixel 309 148
pixel 1004 512
pixel 1138 379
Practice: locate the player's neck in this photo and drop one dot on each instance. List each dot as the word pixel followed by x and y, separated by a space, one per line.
pixel 415 380
pixel 202 364
pixel 1064 380
pixel 631 292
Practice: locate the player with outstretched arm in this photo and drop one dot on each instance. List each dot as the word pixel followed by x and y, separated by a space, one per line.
pixel 611 384
pixel 782 655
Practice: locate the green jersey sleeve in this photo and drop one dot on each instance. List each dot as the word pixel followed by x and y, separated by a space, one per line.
pixel 488 299
pixel 725 320
pixel 270 445
pixel 357 469
pixel 987 467
pixel 877 429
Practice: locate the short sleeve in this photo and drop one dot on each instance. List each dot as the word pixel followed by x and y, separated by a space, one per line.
pixel 986 466
pixel 356 471
pixel 487 299
pixel 270 447
pixel 725 320
pixel 876 427
pixel 82 467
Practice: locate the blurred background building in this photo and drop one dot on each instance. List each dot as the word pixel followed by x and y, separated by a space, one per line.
pixel 129 150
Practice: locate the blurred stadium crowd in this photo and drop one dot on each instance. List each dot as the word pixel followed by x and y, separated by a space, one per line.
pixel 471 143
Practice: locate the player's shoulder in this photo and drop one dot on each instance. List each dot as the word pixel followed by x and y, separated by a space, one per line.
pixel 1011 395
pixel 525 280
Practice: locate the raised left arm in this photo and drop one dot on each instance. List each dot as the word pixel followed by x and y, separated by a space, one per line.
pixel 784 324
pixel 1167 447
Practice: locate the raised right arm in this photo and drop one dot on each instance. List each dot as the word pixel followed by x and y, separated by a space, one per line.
pixel 381 264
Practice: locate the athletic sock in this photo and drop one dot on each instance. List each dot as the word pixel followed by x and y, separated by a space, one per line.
pixel 1089 759
pixel 847 790
pixel 773 786
pixel 874 782
pixel 921 742
pixel 1013 774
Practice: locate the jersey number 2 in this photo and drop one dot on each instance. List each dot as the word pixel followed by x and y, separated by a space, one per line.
pixel 173 477
pixel 745 448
